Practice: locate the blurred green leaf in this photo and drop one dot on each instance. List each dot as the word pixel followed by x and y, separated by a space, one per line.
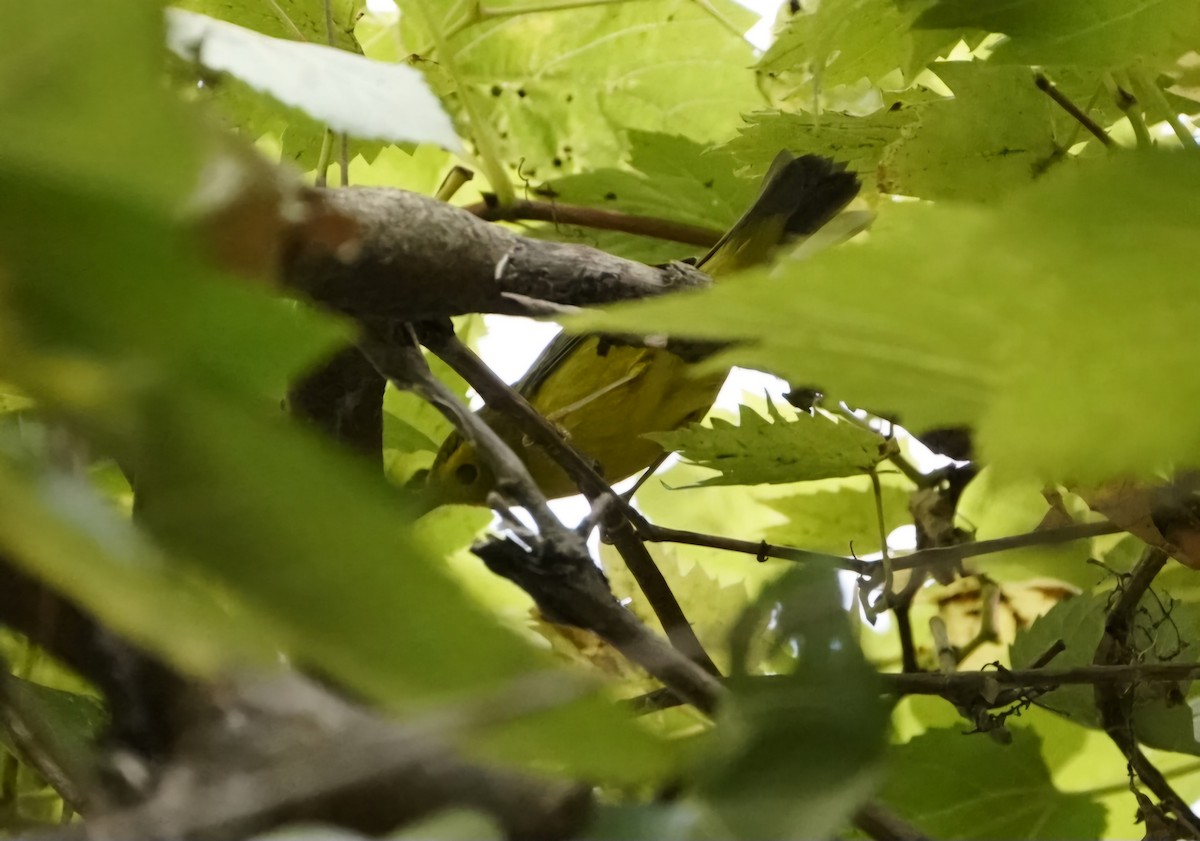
pixel 79 111
pixel 953 786
pixel 675 498
pixel 1103 33
pixel 217 500
pixel 300 20
pixel 795 755
pixel 58 530
pixel 776 451
pixel 954 314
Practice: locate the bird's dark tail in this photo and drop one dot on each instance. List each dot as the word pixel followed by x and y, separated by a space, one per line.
pixel 798 196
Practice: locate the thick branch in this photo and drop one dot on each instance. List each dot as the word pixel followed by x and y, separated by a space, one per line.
pixel 411 257
pixel 142 691
pixel 286 750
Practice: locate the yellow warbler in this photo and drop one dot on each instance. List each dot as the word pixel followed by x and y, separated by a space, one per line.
pixel 604 395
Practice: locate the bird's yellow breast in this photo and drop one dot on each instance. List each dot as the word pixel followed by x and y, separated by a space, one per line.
pixel 604 397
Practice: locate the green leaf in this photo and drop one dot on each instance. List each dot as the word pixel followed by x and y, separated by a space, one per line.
pixel 674 498
pixel 711 605
pixel 566 84
pixel 794 756
pixel 838 520
pixel 258 115
pixel 1079 623
pixel 69 725
pixel 1161 630
pixel 1096 33
pixel 670 177
pixel 990 507
pixel 839 42
pixel 777 451
pixel 999 132
pixel 349 93
pixel 299 20
pixel 985 790
pixel 859 142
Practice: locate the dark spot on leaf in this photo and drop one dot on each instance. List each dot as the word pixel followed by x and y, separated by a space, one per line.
pixel 708 184
pixel 557 162
pixel 496 90
pixel 545 190
pixel 567 150
pixel 521 93
pixel 570 97
pixel 896 106
pixel 610 196
pixel 670 18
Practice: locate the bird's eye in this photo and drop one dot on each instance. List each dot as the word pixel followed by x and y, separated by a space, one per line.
pixel 466 473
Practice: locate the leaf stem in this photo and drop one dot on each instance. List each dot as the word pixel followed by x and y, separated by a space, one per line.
pixel 1150 92
pixel 286 20
pixel 715 13
pixel 1128 103
pixel 478 13
pixel 322 176
pixel 487 144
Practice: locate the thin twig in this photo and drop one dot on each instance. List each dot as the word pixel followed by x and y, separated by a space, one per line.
pixel 879 822
pixel 946 555
pixel 1115 701
pixel 478 13
pixel 939 556
pixel 761 550
pixel 591 217
pixel 958 686
pixel 399 359
pixel 1064 102
pixel 483 131
pixel 557 572
pixel 503 398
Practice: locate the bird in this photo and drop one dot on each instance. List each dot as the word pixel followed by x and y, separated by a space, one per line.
pixel 603 394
